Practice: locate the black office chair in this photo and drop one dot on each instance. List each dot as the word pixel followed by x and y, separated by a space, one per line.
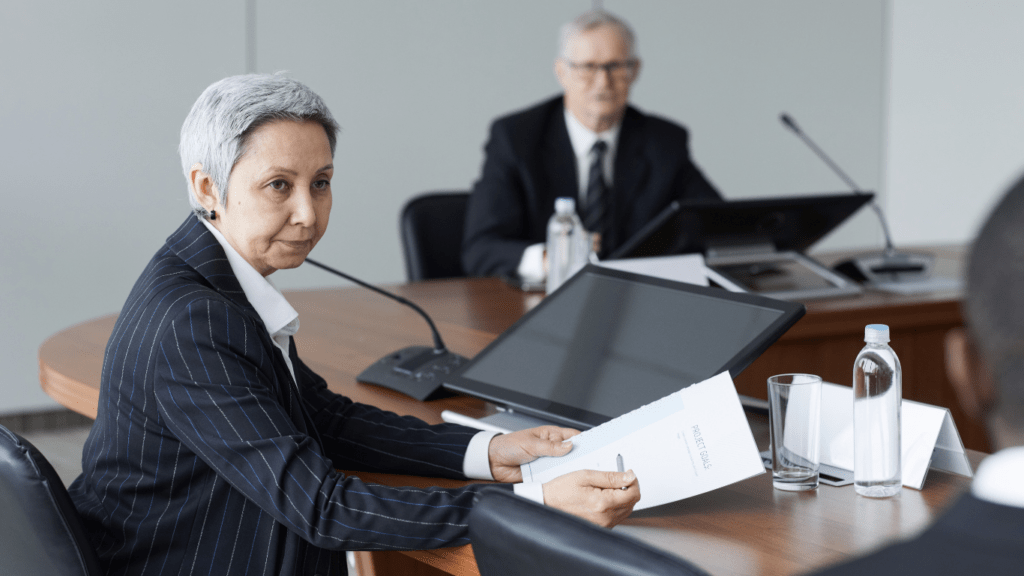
pixel 513 536
pixel 40 530
pixel 431 228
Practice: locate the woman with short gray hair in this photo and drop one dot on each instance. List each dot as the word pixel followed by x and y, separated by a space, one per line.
pixel 229 110
pixel 216 449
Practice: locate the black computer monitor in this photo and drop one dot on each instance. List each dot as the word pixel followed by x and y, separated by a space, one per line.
pixel 608 342
pixel 790 223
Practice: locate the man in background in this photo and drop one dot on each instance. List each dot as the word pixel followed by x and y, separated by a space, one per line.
pixel 621 165
pixel 983 533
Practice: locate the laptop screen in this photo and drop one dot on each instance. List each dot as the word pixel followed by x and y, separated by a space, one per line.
pixel 609 341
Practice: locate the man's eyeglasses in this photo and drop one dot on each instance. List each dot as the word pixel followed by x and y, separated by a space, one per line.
pixel 619 71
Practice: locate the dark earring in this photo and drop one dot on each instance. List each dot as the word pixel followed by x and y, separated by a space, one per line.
pixel 213 214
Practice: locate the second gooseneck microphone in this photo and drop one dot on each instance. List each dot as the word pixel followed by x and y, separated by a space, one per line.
pixel 890 265
pixel 417 371
pixel 791 124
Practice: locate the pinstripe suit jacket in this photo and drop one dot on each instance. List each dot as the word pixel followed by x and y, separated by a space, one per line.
pixel 207 458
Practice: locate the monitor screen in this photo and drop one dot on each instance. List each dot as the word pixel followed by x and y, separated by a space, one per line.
pixel 780 223
pixel 610 341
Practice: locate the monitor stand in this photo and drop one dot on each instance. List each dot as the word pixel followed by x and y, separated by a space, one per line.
pixel 504 421
pixel 787 275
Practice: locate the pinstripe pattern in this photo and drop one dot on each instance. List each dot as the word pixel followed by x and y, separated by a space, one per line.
pixel 205 458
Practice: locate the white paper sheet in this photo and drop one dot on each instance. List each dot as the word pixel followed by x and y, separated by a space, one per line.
pixel 687 443
pixel 687 268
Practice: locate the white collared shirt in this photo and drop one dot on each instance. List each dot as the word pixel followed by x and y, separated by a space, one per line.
pixel 531 264
pixel 282 322
pixel 998 479
pixel 583 140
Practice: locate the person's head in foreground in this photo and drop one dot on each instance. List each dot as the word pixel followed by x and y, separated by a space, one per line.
pixel 985 359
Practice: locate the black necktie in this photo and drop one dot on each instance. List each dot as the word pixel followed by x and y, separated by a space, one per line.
pixel 597 192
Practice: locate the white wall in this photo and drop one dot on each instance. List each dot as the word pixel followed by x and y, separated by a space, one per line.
pixel 93 97
pixel 955 128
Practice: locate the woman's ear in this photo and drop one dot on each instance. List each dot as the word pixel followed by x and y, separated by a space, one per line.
pixel 202 187
pixel 971 379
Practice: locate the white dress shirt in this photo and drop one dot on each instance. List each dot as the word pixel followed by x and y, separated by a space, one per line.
pixel 531 265
pixel 998 479
pixel 282 322
pixel 583 140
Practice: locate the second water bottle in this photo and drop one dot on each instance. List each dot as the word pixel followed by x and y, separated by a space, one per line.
pixel 568 244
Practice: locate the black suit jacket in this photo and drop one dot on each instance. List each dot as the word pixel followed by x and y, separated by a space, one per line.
pixel 972 537
pixel 530 162
pixel 207 458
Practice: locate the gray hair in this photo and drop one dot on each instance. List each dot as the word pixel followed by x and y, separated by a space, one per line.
pixel 994 303
pixel 590 20
pixel 217 129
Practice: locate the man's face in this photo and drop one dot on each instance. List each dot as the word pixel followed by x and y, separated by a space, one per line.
pixel 596 75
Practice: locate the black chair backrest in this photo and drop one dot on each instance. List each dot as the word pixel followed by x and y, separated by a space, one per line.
pixel 513 535
pixel 431 227
pixel 40 530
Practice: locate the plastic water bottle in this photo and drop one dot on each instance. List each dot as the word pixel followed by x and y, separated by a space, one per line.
pixel 568 243
pixel 877 395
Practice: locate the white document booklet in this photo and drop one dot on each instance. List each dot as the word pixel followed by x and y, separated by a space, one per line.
pixel 689 442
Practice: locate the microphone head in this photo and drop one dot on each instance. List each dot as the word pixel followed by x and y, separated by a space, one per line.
pixel 788 122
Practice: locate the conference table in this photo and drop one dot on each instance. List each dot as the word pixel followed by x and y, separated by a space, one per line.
pixel 745 528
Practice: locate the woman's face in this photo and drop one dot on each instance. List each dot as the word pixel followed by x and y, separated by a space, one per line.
pixel 279 195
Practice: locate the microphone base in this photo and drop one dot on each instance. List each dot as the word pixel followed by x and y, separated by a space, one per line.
pixel 887 267
pixel 417 371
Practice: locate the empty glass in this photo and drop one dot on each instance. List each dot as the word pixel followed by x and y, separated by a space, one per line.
pixel 795 422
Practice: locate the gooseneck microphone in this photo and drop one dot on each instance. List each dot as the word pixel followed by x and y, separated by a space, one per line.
pixel 417 371
pixel 890 265
pixel 789 123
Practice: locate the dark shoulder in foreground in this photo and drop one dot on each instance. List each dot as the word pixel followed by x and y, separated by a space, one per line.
pixel 972 537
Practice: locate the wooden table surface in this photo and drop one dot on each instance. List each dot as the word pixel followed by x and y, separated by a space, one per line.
pixel 746 528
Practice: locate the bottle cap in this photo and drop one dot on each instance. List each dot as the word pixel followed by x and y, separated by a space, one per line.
pixel 878 333
pixel 565 205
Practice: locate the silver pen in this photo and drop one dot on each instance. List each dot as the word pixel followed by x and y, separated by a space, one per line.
pixel 619 466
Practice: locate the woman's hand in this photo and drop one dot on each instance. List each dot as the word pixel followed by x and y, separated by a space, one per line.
pixel 508 451
pixel 604 498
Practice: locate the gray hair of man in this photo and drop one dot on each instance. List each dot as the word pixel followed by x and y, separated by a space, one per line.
pixel 217 129
pixel 994 304
pixel 589 21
